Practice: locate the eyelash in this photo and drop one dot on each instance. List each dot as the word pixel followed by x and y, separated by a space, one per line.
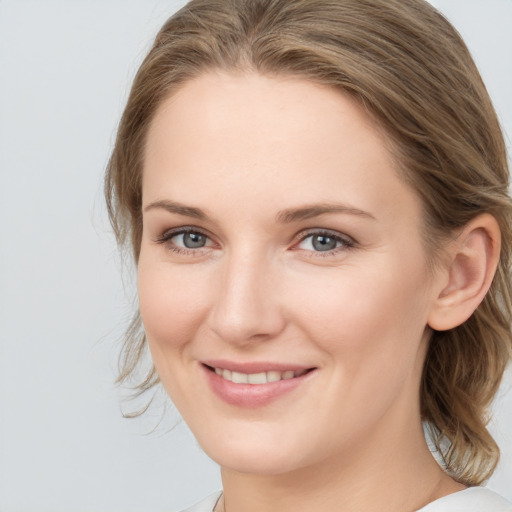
pixel 346 242
pixel 166 237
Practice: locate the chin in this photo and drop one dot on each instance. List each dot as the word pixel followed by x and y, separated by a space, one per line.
pixel 248 456
pixel 256 463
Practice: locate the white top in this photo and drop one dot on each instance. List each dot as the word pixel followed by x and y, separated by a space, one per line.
pixel 206 505
pixel 473 499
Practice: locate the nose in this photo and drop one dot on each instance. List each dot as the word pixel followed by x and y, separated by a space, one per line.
pixel 246 305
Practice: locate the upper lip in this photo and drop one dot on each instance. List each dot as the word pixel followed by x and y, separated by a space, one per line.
pixel 254 366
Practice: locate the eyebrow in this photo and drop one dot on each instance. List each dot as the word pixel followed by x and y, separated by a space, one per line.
pixel 284 216
pixel 315 210
pixel 180 209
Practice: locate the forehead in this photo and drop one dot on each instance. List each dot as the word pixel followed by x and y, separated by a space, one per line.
pixel 265 109
pixel 285 138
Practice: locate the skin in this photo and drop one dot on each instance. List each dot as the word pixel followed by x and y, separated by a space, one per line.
pixel 243 148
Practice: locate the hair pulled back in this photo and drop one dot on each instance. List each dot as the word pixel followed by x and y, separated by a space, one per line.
pixel 409 68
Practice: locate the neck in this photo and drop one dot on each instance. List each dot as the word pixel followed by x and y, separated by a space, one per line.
pixel 391 472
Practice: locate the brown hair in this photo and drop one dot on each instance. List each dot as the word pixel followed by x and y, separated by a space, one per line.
pixel 409 68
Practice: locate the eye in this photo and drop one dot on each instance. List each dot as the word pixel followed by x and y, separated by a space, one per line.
pixel 325 241
pixel 190 240
pixel 185 240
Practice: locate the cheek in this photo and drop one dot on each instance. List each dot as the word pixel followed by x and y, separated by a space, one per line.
pixel 172 302
pixel 366 315
pixel 369 325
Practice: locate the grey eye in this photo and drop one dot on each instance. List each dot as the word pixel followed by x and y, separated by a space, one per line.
pixel 193 240
pixel 323 243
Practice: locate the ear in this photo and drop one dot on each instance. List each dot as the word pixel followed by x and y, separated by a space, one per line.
pixel 470 267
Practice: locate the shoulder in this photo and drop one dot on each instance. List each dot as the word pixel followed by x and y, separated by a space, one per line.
pixel 473 499
pixel 205 505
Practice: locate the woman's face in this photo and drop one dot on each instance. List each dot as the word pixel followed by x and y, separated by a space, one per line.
pixel 283 283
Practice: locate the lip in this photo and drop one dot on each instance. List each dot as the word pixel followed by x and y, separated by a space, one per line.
pixel 254 366
pixel 252 395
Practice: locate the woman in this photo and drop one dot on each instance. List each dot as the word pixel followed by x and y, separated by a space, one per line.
pixel 315 193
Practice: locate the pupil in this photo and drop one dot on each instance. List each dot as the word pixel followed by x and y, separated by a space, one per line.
pixel 194 240
pixel 324 243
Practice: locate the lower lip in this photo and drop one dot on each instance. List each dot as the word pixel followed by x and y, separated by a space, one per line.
pixel 252 395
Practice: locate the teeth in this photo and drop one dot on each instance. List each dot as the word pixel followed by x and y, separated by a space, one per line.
pixel 258 378
pixel 239 378
pixel 273 376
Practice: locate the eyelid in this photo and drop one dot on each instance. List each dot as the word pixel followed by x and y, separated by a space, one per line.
pixel 165 240
pixel 169 233
pixel 347 241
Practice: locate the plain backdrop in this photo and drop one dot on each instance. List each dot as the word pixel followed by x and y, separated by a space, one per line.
pixel 65 70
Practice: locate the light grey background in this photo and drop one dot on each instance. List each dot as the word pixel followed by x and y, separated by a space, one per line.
pixel 65 69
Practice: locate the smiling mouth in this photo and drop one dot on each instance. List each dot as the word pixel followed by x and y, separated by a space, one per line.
pixel 257 378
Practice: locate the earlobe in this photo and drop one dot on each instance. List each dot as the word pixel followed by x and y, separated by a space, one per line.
pixel 471 264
